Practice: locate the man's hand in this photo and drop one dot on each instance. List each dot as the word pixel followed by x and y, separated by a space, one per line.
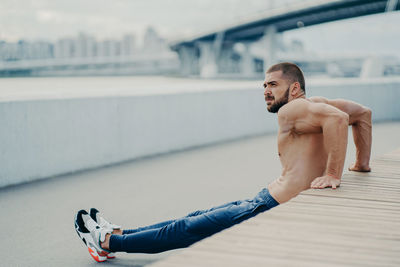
pixel 358 168
pixel 325 181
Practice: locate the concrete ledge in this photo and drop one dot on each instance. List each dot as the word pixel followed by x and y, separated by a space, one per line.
pixel 56 135
pixel 354 225
pixel 43 138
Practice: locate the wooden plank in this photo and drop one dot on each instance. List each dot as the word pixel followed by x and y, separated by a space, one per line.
pixel 355 225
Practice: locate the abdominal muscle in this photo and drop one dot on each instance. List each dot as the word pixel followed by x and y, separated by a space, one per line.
pixel 303 159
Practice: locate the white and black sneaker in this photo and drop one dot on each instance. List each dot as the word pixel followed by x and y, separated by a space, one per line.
pixel 95 215
pixel 91 234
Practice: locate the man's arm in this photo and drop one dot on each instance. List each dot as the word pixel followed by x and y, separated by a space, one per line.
pixel 360 120
pixel 308 117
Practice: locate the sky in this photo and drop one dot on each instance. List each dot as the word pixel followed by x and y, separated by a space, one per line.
pixel 173 19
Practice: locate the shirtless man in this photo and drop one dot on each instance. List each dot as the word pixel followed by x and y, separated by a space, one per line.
pixel 312 137
pixel 312 141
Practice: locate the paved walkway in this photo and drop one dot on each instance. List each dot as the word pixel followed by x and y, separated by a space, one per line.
pixel 37 218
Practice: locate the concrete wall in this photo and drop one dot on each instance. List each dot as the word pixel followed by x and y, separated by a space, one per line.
pixel 381 95
pixel 43 138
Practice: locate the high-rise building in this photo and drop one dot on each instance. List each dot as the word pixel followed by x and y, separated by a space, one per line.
pixel 85 46
pixel 152 42
pixel 128 45
pixel 23 50
pixel 39 50
pixel 9 51
pixel 109 48
pixel 64 48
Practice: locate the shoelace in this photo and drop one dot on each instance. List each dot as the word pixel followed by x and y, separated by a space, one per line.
pixel 104 224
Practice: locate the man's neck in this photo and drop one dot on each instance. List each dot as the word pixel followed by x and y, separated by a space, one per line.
pixel 300 95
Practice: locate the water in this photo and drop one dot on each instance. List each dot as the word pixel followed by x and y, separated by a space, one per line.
pixel 73 87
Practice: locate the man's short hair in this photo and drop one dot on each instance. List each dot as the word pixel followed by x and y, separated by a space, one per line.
pixel 290 72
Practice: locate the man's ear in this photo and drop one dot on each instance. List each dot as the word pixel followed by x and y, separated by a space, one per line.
pixel 295 88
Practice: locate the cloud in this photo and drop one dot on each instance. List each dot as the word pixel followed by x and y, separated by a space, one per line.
pixel 46 15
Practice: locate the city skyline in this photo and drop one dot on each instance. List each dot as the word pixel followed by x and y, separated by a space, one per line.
pixel 83 45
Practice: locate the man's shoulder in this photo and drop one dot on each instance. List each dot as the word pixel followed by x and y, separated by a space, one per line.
pixel 319 99
pixel 294 110
pixel 301 107
pixel 295 105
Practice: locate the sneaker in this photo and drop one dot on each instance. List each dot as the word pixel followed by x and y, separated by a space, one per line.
pixel 95 215
pixel 91 234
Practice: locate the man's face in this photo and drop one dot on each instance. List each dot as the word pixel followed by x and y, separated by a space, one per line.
pixel 276 91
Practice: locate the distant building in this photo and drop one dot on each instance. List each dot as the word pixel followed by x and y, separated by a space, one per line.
pixel 82 46
pixel 85 46
pixel 152 42
pixel 64 48
pixel 8 51
pixel 23 50
pixel 109 48
pixel 40 50
pixel 84 55
pixel 128 45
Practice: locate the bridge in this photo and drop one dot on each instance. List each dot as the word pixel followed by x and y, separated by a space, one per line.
pixel 214 52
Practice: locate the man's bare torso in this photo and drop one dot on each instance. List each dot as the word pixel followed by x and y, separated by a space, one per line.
pixel 303 158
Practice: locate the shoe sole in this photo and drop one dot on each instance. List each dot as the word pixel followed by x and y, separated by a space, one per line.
pixel 92 213
pixel 92 250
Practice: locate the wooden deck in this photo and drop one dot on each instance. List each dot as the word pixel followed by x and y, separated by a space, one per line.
pixel 356 225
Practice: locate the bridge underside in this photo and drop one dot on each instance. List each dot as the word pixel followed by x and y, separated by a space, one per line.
pixel 203 52
pixel 336 10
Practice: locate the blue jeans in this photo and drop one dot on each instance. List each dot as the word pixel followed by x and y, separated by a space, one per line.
pixel 197 225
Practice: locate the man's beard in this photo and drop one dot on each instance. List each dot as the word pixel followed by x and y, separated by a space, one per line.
pixel 278 104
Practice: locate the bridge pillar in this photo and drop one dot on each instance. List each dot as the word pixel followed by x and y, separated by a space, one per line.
pixel 188 60
pixel 247 66
pixel 391 5
pixel 372 67
pixel 270 39
pixel 207 61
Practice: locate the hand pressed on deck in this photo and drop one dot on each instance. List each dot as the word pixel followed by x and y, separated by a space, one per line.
pixel 325 181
